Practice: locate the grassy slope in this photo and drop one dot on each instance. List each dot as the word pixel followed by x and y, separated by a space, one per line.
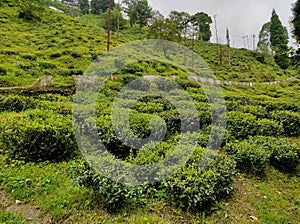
pixel 61 45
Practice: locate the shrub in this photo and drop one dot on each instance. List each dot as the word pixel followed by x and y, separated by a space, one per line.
pixel 114 194
pixel 37 135
pixel 3 71
pixel 241 125
pixel 196 189
pixel 284 156
pixel 16 103
pixel 290 122
pixel 250 158
pixel 269 128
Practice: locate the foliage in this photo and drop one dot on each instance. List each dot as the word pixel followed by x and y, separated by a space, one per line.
pixel 296 20
pixel 115 194
pixel 100 6
pixel 164 30
pixel 203 21
pixel 196 189
pixel 255 154
pixel 138 11
pixel 284 156
pixel 114 16
pixel 179 18
pixel 249 157
pixel 290 122
pixel 84 6
pixel 37 135
pixel 279 41
pixel 240 125
pixel 264 44
pixel 30 9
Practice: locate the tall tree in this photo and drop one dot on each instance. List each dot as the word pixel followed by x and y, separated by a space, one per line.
pixel 279 41
pixel 264 44
pixel 179 18
pixel 138 11
pixel 84 6
pixel 100 6
pixel 204 21
pixel 296 20
pixel 164 30
pixel 114 19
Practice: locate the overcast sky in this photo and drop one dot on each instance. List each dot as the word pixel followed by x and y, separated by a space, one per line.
pixel 242 17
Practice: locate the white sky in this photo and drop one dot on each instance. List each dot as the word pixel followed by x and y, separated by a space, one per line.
pixel 242 17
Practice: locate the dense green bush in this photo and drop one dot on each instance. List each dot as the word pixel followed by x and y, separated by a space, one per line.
pixel 268 128
pixel 114 194
pixel 196 189
pixel 240 125
pixel 250 158
pixel 37 135
pixel 290 122
pixel 16 103
pixel 284 156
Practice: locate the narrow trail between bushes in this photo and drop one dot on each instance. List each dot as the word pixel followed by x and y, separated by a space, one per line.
pixel 27 211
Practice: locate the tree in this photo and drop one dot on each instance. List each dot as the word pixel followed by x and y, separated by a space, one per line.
pixel 138 11
pixel 100 6
pixel 179 18
pixel 164 30
pixel 84 6
pixel 113 19
pixel 204 22
pixel 279 41
pixel 278 34
pixel 296 20
pixel 264 44
pixel 30 9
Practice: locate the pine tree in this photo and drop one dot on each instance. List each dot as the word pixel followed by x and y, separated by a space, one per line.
pixel 278 37
pixel 296 20
pixel 279 41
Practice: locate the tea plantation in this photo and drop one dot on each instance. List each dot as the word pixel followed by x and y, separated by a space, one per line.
pixel 254 174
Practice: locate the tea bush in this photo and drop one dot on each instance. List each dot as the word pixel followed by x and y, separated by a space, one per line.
pixel 250 158
pixel 195 189
pixel 37 135
pixel 290 122
pixel 284 156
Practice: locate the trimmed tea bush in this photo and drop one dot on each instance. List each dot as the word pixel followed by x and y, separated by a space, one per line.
pixel 250 158
pixel 16 103
pixel 195 189
pixel 37 135
pixel 284 156
pixel 289 120
pixel 241 125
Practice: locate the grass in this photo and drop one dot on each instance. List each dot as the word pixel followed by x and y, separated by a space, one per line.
pixel 273 199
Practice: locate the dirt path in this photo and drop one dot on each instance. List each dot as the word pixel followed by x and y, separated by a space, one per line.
pixel 29 212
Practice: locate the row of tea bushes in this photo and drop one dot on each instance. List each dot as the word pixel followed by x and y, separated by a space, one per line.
pixel 256 153
pixel 37 135
pixel 192 187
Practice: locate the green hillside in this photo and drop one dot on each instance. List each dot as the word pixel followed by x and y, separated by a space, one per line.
pixel 44 177
pixel 61 46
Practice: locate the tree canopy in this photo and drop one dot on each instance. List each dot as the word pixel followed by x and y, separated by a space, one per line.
pixel 138 11
pixel 179 18
pixel 203 21
pixel 264 44
pixel 296 20
pixel 279 41
pixel 100 6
